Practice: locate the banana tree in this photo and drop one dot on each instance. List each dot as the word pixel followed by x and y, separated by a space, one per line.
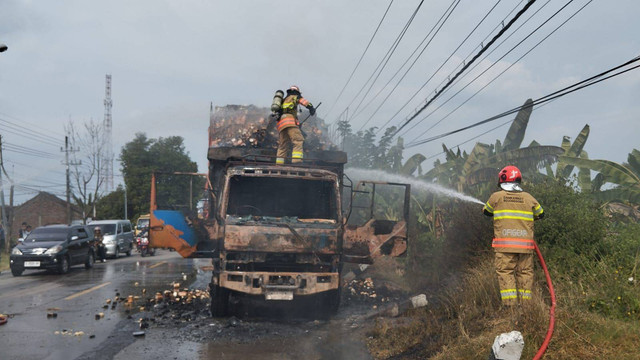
pixel 625 178
pixel 478 169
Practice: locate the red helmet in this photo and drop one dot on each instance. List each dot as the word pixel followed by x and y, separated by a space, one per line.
pixel 509 174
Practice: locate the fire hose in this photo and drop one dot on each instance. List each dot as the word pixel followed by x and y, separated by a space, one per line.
pixel 552 310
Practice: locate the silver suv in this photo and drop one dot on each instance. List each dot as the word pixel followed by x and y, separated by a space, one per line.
pixel 118 236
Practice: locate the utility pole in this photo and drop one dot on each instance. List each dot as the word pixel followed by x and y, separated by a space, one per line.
pixel 66 151
pixel 125 202
pixel 108 128
pixel 7 238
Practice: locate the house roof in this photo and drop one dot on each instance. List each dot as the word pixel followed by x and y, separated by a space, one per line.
pixel 45 196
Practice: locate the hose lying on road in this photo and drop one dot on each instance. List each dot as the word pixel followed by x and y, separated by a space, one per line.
pixel 552 311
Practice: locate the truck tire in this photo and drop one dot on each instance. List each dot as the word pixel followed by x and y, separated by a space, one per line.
pixel 219 301
pixel 333 301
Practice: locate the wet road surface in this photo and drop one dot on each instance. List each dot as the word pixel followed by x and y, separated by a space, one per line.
pixel 78 296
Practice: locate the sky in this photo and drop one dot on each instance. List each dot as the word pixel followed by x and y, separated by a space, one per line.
pixel 171 59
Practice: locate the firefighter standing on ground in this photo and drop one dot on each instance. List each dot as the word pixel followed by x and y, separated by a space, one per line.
pixel 513 211
pixel 288 126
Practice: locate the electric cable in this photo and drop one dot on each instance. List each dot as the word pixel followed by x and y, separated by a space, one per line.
pixel 11 146
pixel 45 135
pixel 440 21
pixel 360 60
pixel 485 132
pixel 554 95
pixel 448 58
pixel 496 37
pixel 387 56
pixel 493 64
pixel 442 65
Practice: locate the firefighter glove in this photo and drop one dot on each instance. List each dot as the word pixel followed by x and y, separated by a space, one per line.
pixel 312 111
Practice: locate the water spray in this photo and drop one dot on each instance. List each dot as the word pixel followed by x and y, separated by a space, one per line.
pixel 360 174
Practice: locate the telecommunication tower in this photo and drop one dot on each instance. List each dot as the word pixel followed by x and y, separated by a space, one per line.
pixel 108 165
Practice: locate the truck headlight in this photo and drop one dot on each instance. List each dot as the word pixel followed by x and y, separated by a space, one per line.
pixel 16 251
pixel 54 250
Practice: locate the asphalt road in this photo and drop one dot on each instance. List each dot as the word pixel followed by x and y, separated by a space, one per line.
pixel 78 296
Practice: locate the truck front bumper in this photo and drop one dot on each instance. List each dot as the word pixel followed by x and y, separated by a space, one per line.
pixel 278 285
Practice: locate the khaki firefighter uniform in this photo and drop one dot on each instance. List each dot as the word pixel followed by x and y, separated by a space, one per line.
pixel 513 215
pixel 290 134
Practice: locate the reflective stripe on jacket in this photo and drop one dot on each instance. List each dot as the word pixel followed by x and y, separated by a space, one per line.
pixel 513 215
pixel 289 116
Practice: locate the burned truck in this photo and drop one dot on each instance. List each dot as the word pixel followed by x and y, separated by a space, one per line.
pixel 279 232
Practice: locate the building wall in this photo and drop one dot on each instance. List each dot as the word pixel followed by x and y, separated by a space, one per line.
pixel 43 209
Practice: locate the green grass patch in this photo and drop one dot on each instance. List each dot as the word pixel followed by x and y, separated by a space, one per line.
pixel 4 261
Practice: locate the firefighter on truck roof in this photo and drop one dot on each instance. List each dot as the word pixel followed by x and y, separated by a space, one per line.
pixel 288 125
pixel 513 211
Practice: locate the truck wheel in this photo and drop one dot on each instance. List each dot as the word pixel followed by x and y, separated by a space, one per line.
pixel 63 265
pixel 91 259
pixel 129 252
pixel 117 253
pixel 16 271
pixel 219 301
pixel 333 301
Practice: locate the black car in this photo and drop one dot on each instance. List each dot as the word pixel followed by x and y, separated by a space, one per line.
pixel 54 247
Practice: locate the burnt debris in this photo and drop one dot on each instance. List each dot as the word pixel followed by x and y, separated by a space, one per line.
pixel 252 126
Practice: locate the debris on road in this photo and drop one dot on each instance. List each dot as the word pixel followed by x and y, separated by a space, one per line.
pixel 138 333
pixel 52 315
pixel 99 316
pixel 3 319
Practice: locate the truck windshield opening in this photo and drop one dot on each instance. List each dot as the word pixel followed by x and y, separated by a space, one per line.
pixel 273 197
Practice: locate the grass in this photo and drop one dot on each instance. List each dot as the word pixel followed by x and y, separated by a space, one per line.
pixel 4 261
pixel 468 316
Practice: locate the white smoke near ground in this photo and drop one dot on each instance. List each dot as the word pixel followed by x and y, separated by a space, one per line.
pixel 357 174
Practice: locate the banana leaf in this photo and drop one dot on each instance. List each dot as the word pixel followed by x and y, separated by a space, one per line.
pixel 575 150
pixel 597 182
pixel 515 135
pixel 480 151
pixel 584 174
pixel 528 157
pixel 566 145
pixel 412 164
pixel 624 195
pixel 634 161
pixel 613 172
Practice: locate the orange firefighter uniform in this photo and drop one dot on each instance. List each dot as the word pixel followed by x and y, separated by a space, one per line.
pixel 513 212
pixel 288 126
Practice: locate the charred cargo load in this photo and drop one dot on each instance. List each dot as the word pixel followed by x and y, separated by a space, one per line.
pixel 275 231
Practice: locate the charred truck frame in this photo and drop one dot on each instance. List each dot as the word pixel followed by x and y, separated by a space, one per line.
pixel 278 231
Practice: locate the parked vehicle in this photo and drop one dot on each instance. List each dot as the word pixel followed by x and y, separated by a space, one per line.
pixel 142 240
pixel 54 247
pixel 118 236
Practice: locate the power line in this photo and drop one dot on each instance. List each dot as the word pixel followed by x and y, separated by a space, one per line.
pixel 405 74
pixel 495 63
pixel 443 64
pixel 360 60
pixel 443 19
pixel 502 31
pixel 549 97
pixel 43 134
pixel 387 56
pixel 486 132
